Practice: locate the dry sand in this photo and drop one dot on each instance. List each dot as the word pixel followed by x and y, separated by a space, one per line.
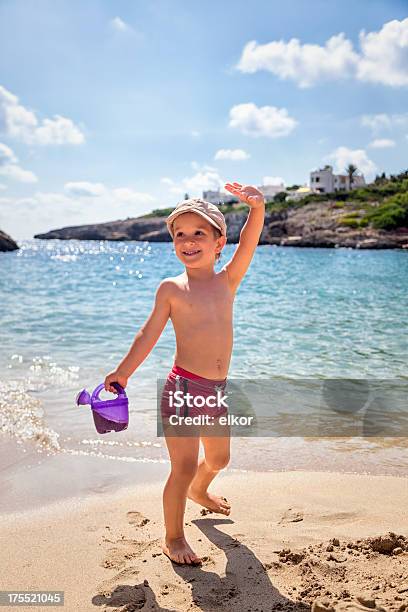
pixel 293 541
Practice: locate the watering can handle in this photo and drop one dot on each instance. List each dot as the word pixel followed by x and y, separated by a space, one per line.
pixel 96 392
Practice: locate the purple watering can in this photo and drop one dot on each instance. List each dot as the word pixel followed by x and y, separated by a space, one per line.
pixel 108 415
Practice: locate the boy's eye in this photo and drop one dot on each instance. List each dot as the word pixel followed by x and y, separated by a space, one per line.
pixel 178 234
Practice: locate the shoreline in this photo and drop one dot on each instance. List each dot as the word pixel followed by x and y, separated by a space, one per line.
pixel 158 479
pixel 105 550
pixel 33 479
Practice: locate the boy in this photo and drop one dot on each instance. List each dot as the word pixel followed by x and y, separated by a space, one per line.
pixel 199 303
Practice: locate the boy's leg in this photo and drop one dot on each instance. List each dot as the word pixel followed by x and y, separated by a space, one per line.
pixel 216 457
pixel 183 453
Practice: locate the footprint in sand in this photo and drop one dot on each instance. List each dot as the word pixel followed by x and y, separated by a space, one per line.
pixel 339 516
pixel 132 597
pixel 106 587
pixel 291 516
pixel 127 549
pixel 117 558
pixel 137 519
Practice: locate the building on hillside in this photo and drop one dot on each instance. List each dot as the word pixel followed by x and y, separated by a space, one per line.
pixel 298 194
pixel 219 197
pixel 270 191
pixel 324 181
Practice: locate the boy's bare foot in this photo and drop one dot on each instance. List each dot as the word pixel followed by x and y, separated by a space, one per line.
pixel 180 552
pixel 215 503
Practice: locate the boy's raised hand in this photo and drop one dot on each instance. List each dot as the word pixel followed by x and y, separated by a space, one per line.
pixel 246 193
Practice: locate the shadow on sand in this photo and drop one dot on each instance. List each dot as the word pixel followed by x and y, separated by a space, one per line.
pixel 246 585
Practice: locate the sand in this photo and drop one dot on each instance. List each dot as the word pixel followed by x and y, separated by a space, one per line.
pixel 294 541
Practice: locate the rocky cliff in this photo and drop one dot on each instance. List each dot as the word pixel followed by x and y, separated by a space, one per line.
pixel 317 224
pixel 153 229
pixel 7 243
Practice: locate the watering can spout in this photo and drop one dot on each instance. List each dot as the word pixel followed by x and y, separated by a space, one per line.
pixel 83 398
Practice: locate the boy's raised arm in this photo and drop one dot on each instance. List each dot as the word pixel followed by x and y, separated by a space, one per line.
pixel 250 233
pixel 145 338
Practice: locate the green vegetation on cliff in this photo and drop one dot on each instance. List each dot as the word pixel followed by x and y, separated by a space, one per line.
pixel 382 204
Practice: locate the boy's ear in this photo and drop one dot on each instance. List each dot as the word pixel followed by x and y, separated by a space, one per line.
pixel 221 241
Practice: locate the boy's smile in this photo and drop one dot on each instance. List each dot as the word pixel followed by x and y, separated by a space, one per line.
pixel 190 253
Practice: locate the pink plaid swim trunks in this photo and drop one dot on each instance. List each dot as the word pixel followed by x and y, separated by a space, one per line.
pixel 199 388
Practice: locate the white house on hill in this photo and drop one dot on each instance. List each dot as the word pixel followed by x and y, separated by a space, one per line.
pixel 298 194
pixel 269 191
pixel 219 197
pixel 324 181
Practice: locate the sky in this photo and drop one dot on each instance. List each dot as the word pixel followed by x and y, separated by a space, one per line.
pixel 109 110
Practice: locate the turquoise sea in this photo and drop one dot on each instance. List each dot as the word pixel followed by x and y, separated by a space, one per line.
pixel 70 311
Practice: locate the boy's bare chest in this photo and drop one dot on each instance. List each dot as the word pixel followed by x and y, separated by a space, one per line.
pixel 204 303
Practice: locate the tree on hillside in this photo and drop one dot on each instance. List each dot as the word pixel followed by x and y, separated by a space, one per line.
pixel 380 178
pixel 280 197
pixel 351 171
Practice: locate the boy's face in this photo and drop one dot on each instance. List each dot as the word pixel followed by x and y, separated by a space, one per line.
pixel 195 241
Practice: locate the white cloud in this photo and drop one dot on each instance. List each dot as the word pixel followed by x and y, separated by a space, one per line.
pixel 233 154
pixel 2 187
pixel 57 131
pixel 120 25
pixel 21 123
pixel 195 134
pixel 306 64
pixel 128 196
pixel 382 121
pixel 273 180
pixel 85 189
pixel 383 58
pixel 6 155
pixel 91 194
pixel 376 122
pixel 15 173
pixel 268 121
pixel 203 167
pixel 382 143
pixel 199 182
pixel 27 202
pixel 205 178
pixel 10 169
pixel 83 197
pixel 343 156
pixel 43 211
pixel 47 198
